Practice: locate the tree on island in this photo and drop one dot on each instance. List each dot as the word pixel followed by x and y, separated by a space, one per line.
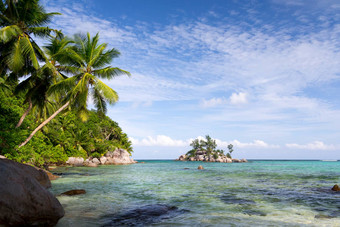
pixel 207 147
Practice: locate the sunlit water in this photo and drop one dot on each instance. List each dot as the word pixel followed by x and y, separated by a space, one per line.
pixel 261 193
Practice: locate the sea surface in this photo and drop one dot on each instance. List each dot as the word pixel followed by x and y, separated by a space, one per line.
pixel 257 193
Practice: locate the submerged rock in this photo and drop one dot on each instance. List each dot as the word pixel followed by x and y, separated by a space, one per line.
pixel 145 215
pixel 336 188
pixel 74 192
pixel 200 167
pixel 24 199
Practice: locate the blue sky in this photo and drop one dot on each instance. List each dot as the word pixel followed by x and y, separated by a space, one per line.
pixel 262 75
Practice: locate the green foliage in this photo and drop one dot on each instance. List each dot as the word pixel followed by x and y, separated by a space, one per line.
pixel 207 146
pixel 96 155
pixel 65 136
pixel 215 155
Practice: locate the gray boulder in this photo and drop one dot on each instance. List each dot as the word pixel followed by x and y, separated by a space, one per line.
pixel 24 199
pixel 119 157
pixel 75 161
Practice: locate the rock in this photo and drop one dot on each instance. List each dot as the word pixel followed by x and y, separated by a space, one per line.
pixel 229 160
pixel 200 167
pixel 192 159
pixel 103 160
pixel 75 161
pixel 96 161
pixel 92 164
pixel 143 216
pixel 2 157
pixel 74 192
pixel 236 160
pixel 51 176
pixel 200 158
pixel 336 188
pixel 24 199
pixel 182 157
pixel 219 159
pixel 244 160
pixel 119 157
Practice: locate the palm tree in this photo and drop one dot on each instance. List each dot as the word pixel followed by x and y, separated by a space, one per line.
pixel 19 20
pixel 35 87
pixel 88 61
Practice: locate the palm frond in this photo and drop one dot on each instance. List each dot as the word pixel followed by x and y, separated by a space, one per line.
pixel 9 32
pixel 15 60
pixel 106 92
pixel 99 101
pixel 110 72
pixel 28 50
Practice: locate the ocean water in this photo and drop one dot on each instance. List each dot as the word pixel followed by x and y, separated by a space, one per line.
pixel 258 193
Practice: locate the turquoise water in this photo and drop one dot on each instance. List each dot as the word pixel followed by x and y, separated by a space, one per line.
pixel 261 193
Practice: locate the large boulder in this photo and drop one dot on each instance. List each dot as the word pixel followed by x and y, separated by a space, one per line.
pixel 25 200
pixel 118 157
pixel 229 160
pixel 75 161
pixel 103 160
pixel 200 158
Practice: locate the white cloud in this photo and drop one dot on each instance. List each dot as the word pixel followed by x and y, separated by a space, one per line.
pixel 316 145
pixel 166 141
pixel 159 140
pixel 238 98
pixel 254 144
pixel 213 102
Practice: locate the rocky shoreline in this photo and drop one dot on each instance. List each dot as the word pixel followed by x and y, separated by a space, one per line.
pixel 116 157
pixel 203 157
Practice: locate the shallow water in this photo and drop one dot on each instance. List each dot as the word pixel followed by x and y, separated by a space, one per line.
pixel 261 193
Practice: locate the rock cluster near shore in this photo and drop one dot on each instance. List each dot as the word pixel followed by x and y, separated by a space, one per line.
pixel 116 157
pixel 201 156
pixel 25 200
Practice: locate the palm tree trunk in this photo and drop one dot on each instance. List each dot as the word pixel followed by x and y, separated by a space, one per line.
pixel 44 123
pixel 25 114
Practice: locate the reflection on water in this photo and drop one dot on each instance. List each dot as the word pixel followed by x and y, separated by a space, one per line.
pixel 262 193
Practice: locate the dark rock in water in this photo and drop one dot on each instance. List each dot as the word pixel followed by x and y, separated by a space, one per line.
pixel 336 188
pixel 145 215
pixel 254 212
pixel 323 216
pixel 231 199
pixel 74 192
pixel 24 199
pixel 186 168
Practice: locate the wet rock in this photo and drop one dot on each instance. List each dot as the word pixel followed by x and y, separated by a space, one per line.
pixel 145 215
pixel 74 192
pixel 51 176
pixel 323 216
pixel 186 168
pixel 336 188
pixel 24 199
pixel 200 167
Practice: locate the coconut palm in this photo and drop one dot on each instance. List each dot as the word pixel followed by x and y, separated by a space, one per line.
pixel 35 87
pixel 19 20
pixel 88 61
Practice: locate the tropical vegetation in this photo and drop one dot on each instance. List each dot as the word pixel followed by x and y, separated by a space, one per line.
pixel 207 147
pixel 44 91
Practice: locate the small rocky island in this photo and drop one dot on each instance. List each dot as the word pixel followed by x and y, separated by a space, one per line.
pixel 205 150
